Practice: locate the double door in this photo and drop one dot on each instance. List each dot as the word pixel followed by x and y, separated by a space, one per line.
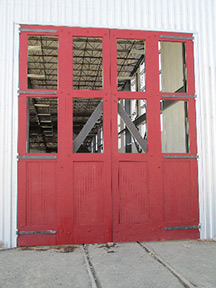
pixel 107 136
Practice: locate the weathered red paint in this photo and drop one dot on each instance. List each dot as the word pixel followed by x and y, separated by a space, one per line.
pixel 133 196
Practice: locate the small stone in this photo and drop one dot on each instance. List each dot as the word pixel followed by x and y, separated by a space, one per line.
pixel 110 244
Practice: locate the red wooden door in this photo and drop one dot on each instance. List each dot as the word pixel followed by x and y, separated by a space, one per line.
pixel 64 193
pixel 85 211
pixel 38 164
pixel 107 142
pixel 154 172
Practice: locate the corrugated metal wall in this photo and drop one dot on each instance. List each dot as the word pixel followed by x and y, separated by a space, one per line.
pixel 197 16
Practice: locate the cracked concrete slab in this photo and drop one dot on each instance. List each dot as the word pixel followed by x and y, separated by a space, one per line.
pixel 43 268
pixel 170 264
pixel 127 265
pixel 195 260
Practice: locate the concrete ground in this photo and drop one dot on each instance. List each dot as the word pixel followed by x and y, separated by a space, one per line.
pixel 147 264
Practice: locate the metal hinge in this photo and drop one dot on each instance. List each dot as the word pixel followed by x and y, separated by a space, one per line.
pixel 180 156
pixel 44 232
pixel 182 227
pixel 37 92
pixel 177 96
pixel 176 37
pixel 37 30
pixel 36 157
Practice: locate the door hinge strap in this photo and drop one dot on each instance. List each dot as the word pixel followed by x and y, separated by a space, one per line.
pixel 37 92
pixel 176 37
pixel 180 156
pixel 36 232
pixel 182 227
pixel 38 30
pixel 177 96
pixel 36 157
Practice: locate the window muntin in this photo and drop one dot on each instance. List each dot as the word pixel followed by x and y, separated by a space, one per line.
pixel 42 62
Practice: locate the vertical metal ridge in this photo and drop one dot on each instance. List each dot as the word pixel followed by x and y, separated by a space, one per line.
pixel 6 104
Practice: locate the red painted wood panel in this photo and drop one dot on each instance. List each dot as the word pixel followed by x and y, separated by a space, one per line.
pixel 179 192
pixel 133 192
pixel 91 203
pixel 37 201
pixel 41 193
pixel 88 191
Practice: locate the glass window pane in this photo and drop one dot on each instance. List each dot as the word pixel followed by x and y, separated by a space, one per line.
pixel 42 62
pixel 132 126
pixel 42 123
pixel 174 126
pixel 173 74
pixel 131 65
pixel 88 125
pixel 87 63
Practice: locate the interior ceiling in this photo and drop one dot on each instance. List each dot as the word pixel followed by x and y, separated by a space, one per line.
pixel 87 64
pixel 130 56
pixel 42 62
pixel 87 75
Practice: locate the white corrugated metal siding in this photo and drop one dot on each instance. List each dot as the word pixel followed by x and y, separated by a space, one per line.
pixel 197 16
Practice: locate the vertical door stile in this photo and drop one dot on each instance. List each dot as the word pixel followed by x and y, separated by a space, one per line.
pixel 65 196
pixel 154 143
pixel 114 133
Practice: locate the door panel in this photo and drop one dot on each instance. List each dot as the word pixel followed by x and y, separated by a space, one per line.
pixel 133 192
pixel 88 203
pixel 41 193
pixel 180 192
pixel 38 189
